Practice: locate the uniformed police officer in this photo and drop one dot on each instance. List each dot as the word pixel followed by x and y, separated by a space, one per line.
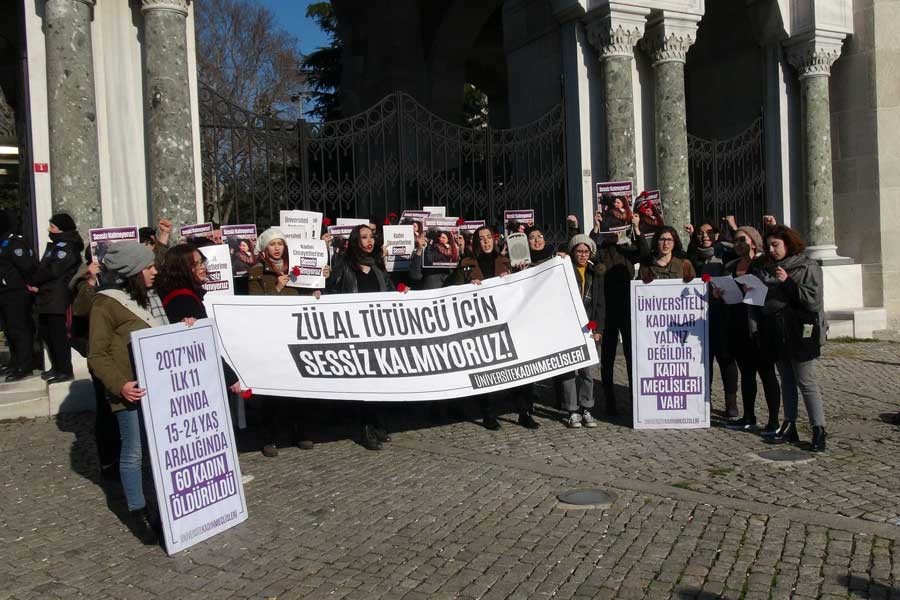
pixel 17 264
pixel 51 284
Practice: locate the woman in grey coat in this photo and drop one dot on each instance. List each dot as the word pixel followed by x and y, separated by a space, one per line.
pixel 794 315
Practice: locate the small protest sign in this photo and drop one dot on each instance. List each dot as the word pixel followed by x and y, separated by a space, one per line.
pixel 101 238
pixel 518 250
pixel 189 433
pixel 442 251
pixel 351 222
pixel 471 226
pixel 670 348
pixel 218 270
pixel 517 221
pixel 198 230
pixel 399 243
pixel 241 240
pixel 435 211
pixel 308 259
pixel 306 224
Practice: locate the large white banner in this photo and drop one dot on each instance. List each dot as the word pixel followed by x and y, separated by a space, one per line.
pixel 189 435
pixel 670 350
pixel 422 345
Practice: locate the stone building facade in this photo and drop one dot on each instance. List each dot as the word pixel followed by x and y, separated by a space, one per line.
pixel 108 101
pixel 640 78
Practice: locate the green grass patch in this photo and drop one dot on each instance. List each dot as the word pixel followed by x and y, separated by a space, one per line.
pixel 685 485
pixel 720 472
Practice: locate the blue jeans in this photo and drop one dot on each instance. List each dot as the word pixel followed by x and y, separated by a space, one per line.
pixel 130 458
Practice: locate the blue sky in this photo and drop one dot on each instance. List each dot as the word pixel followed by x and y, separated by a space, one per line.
pixel 291 16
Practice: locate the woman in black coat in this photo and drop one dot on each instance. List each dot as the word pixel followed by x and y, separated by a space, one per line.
pixel 361 270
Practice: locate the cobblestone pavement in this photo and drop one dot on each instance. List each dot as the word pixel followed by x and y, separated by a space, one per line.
pixel 456 511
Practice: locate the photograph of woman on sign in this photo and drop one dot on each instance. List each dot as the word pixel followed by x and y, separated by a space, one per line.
pixel 442 249
pixel 242 258
pixel 616 211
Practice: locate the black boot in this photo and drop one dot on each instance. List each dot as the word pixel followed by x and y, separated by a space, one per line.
pixel 818 439
pixel 369 439
pixel 48 374
pixel 142 525
pixel 787 433
pixel 609 399
pixel 491 422
pixel 61 378
pixel 527 421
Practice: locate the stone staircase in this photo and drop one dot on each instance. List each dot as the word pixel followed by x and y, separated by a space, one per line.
pixel 32 397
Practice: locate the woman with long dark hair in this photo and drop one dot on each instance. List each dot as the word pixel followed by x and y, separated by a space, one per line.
pixel 180 285
pixel 126 303
pixel 361 270
pixel 794 314
pixel 668 260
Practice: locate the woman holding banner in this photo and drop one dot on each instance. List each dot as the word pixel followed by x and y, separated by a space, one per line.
pixel 129 304
pixel 795 309
pixel 668 260
pixel 361 270
pixel 484 263
pixel 270 277
pixel 708 256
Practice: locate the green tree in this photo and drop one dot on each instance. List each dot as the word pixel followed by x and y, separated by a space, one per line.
pixel 322 67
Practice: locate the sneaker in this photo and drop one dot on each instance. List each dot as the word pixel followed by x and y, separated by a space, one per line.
pixel 142 526
pixel 247 478
pixel 368 439
pixel 769 430
pixel 588 419
pixel 574 421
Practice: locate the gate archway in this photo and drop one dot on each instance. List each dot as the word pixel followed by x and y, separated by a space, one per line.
pixel 728 177
pixel 394 156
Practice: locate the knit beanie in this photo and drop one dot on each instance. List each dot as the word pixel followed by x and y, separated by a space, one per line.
pixel 754 235
pixel 128 258
pixel 64 222
pixel 267 236
pixel 582 239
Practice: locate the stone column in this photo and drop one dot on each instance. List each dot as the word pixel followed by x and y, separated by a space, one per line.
pixel 667 44
pixel 813 62
pixel 167 106
pixel 614 36
pixel 72 112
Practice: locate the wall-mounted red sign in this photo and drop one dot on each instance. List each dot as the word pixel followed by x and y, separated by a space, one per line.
pixel 41 168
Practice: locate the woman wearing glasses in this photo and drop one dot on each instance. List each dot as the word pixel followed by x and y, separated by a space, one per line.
pixel 667 261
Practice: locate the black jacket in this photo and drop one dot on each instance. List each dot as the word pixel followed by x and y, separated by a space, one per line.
pixel 593 293
pixel 58 266
pixel 184 303
pixel 620 261
pixel 17 263
pixel 343 278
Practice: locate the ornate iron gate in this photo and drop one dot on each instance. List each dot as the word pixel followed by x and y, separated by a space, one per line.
pixel 728 177
pixel 396 155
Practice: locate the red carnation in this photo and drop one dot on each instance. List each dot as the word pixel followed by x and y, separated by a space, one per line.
pixel 296 271
pixel 326 221
pixel 706 277
pixel 392 215
pixel 591 326
pixel 496 236
pixel 460 221
pixel 402 287
pixel 247 394
pixel 387 220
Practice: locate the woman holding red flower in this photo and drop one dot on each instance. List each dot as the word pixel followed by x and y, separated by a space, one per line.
pixel 270 277
pixel 578 386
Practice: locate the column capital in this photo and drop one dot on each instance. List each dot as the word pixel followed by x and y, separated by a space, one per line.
pixel 90 3
pixel 615 32
pixel 813 56
pixel 177 6
pixel 670 36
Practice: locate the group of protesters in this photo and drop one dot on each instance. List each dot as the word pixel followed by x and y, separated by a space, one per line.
pixel 152 283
